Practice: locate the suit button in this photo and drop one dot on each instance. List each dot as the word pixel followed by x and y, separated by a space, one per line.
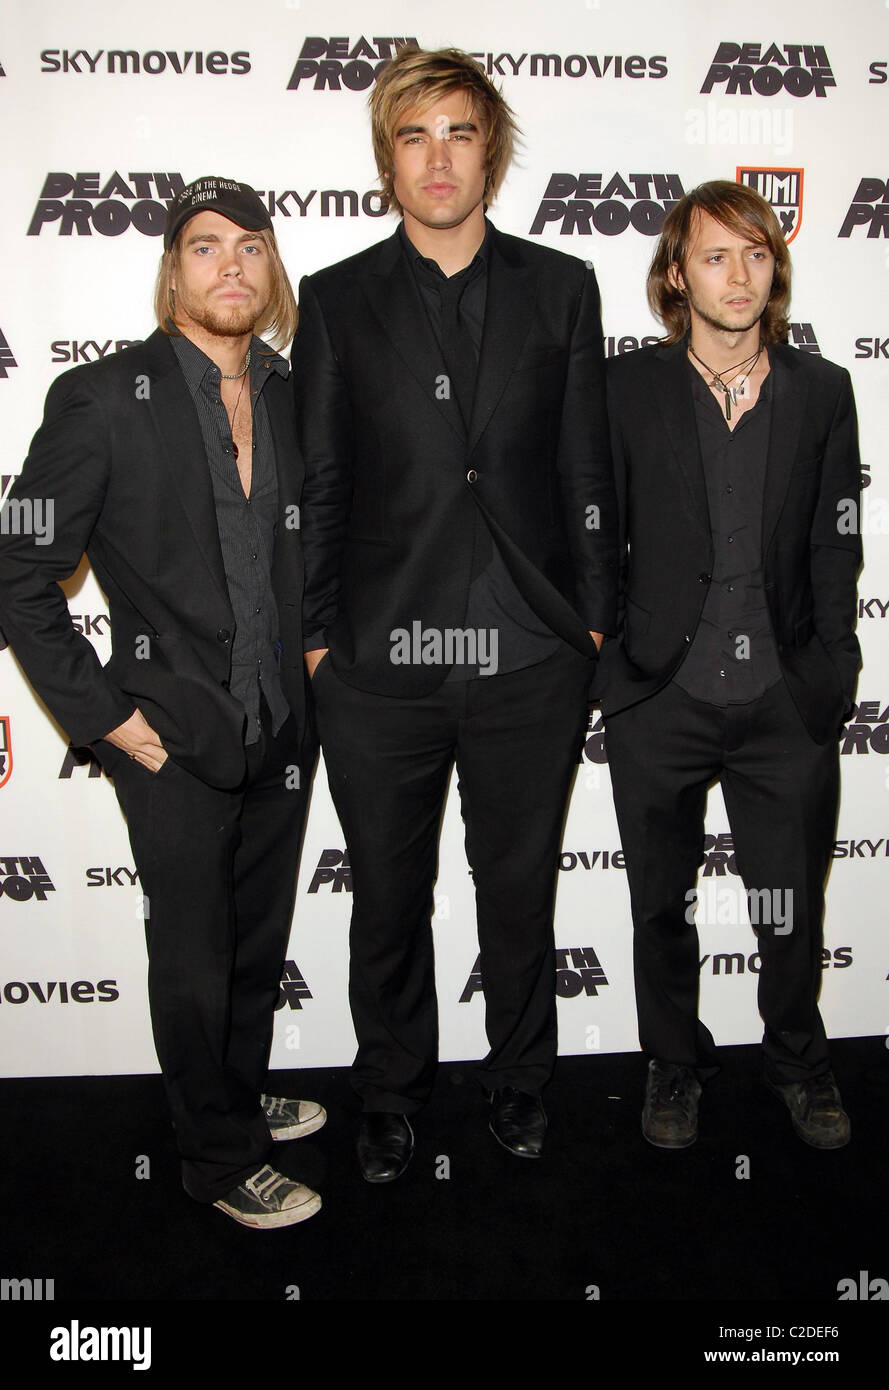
pixel 687 638
pixel 225 685
pixel 471 476
pixel 223 635
pixel 704 578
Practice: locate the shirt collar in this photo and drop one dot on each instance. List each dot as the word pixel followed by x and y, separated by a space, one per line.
pixel 479 262
pixel 196 364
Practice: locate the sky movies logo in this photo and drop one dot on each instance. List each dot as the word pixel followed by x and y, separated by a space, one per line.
pixel 87 203
pixel 741 69
pixel 185 63
pixel 584 203
pixel 783 188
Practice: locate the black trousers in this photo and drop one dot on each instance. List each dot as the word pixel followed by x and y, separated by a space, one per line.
pixel 218 869
pixel 516 739
pixel 781 792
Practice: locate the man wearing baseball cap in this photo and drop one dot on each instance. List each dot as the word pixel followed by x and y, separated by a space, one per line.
pixel 175 466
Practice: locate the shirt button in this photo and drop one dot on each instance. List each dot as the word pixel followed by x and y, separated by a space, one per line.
pixel 730 488
pixel 471 476
pixel 731 540
pixel 223 635
pixel 731 634
pixel 722 673
pixel 730 588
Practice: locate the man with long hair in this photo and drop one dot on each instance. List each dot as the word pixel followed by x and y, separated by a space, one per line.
pixel 175 465
pixel 458 525
pixel 738 480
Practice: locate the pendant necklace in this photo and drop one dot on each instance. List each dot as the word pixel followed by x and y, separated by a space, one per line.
pixel 730 388
pixel 237 403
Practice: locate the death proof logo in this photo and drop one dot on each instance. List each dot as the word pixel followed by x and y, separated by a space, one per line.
pixel 87 203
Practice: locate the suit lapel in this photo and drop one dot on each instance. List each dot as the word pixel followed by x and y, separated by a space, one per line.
pixel 788 417
pixel 395 300
pixel 672 391
pixel 183 453
pixel 278 399
pixel 509 313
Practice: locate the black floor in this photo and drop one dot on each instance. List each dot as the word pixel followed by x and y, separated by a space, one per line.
pixel 602 1219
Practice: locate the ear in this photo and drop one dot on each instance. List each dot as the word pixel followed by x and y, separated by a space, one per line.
pixel 674 275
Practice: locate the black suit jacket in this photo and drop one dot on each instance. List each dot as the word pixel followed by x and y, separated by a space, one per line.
pixel 120 453
pixel 393 482
pixel 811 552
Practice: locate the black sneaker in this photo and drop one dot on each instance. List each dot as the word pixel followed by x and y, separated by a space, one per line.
pixel 816 1111
pixel 268 1199
pixel 292 1119
pixel 670 1113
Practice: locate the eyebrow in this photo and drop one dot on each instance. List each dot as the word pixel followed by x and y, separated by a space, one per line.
pixel 214 236
pixel 424 129
pixel 748 245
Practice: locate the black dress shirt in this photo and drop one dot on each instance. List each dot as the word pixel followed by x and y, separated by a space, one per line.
pixel 246 526
pixel 732 658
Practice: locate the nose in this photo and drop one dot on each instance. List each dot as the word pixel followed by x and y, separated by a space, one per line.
pixel 229 262
pixel 439 155
pixel 739 271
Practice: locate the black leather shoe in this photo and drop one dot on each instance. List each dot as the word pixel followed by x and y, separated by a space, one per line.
pixel 518 1122
pixel 670 1113
pixel 385 1145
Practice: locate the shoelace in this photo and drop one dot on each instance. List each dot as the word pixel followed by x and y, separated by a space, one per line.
pixel 273 1105
pixel 821 1095
pixel 264 1183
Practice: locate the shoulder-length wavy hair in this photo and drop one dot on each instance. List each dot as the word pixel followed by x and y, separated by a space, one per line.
pixel 277 325
pixel 740 210
pixel 417 77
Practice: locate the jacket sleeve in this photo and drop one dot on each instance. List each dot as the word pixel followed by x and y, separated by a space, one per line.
pixel 324 425
pixel 836 542
pixel 48 520
pixel 584 461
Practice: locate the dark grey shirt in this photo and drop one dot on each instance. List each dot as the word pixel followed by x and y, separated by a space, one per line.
pixel 733 658
pixel 246 526
pixel 494 605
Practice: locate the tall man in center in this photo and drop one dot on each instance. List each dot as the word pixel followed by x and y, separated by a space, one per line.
pixel 459 529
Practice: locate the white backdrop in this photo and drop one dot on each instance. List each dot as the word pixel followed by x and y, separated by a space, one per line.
pixel 106 110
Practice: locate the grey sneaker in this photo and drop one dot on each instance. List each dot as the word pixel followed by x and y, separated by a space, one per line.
pixel 292 1119
pixel 670 1113
pixel 816 1111
pixel 269 1199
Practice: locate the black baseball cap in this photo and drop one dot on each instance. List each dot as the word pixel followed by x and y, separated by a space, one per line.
pixel 238 202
